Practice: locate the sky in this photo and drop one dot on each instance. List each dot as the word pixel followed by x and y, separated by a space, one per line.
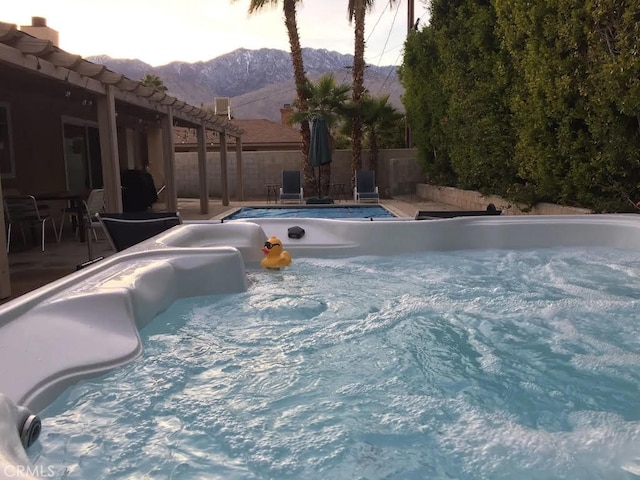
pixel 161 31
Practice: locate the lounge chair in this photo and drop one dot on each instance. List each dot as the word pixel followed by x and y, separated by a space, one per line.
pixel 124 230
pixel 366 188
pixel 291 186
pixel 427 215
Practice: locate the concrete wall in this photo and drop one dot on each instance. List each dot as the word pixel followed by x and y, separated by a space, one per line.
pixel 470 200
pixel 398 171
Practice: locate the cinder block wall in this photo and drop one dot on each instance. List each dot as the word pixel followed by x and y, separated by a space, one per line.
pixel 398 171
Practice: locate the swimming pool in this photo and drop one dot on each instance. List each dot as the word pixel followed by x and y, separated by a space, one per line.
pixel 328 211
pixel 88 323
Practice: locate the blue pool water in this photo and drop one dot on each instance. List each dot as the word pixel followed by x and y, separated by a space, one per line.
pixel 333 211
pixel 467 365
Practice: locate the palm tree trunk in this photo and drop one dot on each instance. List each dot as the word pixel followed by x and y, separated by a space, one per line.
pixel 289 9
pixel 325 180
pixel 373 152
pixel 357 90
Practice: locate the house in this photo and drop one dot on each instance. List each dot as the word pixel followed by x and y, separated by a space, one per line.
pixel 70 124
pixel 257 135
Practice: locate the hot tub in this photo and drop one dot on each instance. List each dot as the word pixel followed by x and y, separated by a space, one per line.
pixel 89 322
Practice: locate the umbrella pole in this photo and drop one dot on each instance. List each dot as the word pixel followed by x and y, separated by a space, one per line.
pixel 319 181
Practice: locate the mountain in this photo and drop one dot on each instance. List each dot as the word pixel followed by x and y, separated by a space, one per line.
pixel 259 82
pixel 267 101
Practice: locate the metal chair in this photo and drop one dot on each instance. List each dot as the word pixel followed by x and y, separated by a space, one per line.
pixel 24 209
pixel 90 209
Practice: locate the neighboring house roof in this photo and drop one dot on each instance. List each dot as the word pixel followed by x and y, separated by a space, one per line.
pixel 258 134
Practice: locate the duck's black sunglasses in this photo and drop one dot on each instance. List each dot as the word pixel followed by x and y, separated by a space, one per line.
pixel 269 245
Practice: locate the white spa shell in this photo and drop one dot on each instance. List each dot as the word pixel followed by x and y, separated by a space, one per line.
pixel 88 322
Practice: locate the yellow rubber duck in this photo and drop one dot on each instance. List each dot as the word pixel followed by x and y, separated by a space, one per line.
pixel 276 257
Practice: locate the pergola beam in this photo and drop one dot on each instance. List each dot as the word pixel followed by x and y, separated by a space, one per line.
pixel 63 59
pixel 45 68
pixel 7 31
pixel 88 69
pixel 32 46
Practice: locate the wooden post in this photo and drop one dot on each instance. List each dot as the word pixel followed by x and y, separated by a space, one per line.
pixel 224 186
pixel 5 279
pixel 169 161
pixel 410 26
pixel 154 158
pixel 109 151
pixel 239 178
pixel 410 15
pixel 202 169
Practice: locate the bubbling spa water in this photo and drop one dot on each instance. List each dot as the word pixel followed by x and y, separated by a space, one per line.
pixel 474 364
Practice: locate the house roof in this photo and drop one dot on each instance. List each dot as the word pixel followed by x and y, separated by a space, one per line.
pixel 23 51
pixel 256 132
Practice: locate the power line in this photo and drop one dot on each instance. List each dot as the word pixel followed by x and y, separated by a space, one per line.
pixel 292 89
pixel 376 24
pixel 391 49
pixel 394 71
pixel 370 33
pixel 389 34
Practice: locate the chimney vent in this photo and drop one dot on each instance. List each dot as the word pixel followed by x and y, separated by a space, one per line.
pixel 39 29
pixel 38 22
pixel 285 113
pixel 222 107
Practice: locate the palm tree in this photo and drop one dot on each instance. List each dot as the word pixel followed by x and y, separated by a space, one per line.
pixel 328 99
pixel 153 81
pixel 379 119
pixel 357 12
pixel 291 23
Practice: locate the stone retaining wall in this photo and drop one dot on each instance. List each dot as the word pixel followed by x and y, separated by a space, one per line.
pixel 470 200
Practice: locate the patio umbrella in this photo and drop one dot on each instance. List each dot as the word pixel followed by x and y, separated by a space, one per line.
pixel 319 148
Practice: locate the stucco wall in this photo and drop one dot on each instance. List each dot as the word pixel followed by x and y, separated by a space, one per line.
pixel 398 171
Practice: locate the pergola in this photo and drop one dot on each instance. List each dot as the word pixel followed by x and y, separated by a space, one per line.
pixel 24 55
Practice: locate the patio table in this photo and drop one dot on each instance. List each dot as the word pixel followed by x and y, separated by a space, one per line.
pixel 75 200
pixel 272 189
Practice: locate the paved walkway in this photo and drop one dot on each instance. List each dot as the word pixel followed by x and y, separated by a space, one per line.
pixel 30 268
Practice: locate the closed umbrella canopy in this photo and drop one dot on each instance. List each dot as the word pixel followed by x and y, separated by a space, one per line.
pixel 319 148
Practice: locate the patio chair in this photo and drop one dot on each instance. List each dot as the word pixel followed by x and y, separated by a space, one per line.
pixel 366 188
pixel 291 186
pixel 90 209
pixel 21 210
pixel 124 230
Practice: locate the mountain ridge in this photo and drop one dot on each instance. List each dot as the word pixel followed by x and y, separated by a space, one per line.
pixel 257 81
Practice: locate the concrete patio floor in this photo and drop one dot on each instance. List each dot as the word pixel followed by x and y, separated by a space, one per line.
pixel 30 268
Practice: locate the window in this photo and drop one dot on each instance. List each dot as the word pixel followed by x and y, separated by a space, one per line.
pixel 7 166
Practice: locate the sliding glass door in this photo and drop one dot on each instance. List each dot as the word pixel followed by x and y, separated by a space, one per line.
pixel 82 156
